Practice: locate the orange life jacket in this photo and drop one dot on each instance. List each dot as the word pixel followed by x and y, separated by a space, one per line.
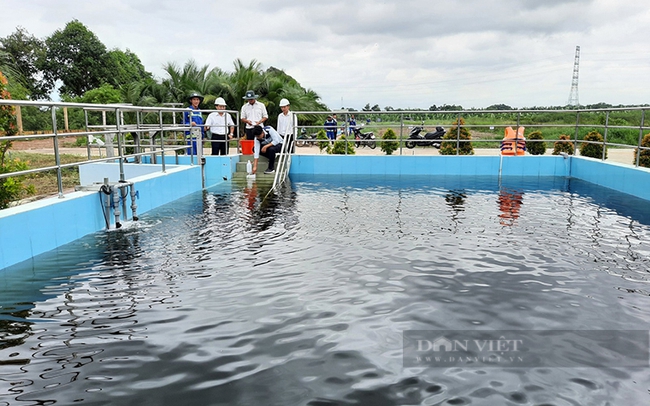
pixel 512 141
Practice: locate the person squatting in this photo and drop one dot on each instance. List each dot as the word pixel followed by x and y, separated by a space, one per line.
pixel 268 143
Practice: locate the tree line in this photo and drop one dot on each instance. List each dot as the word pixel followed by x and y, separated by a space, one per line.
pixel 74 63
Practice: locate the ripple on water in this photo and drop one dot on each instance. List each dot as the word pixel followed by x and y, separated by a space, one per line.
pixel 231 299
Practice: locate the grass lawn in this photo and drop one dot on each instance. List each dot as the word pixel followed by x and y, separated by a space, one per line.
pixel 45 184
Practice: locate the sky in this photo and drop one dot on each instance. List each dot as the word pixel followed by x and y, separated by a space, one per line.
pixel 407 54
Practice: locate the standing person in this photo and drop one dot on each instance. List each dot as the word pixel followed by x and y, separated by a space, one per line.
pixel 194 119
pixel 220 123
pixel 253 113
pixel 267 143
pixel 352 124
pixel 330 128
pixel 285 124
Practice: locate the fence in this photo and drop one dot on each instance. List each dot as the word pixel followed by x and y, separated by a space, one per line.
pixel 123 132
pixel 620 127
pixel 130 132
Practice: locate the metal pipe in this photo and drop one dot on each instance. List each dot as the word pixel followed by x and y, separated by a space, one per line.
pixel 162 140
pixel 115 194
pixel 57 157
pixel 639 145
pixel 134 206
pixel 605 137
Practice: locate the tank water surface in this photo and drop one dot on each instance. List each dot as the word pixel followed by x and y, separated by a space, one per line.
pixel 223 298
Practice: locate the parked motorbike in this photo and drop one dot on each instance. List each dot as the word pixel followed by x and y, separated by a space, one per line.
pixel 364 139
pixel 429 139
pixel 304 139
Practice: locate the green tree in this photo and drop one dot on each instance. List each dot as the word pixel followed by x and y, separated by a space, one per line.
pixel 390 143
pixel 342 147
pixel 539 146
pixel 245 77
pixel 323 142
pixel 10 188
pixel 457 132
pixel 27 54
pixel 76 57
pixel 594 150
pixel 280 85
pixel 147 92
pixel 125 67
pixel 644 158
pixel 181 82
pixel 105 94
pixel 563 144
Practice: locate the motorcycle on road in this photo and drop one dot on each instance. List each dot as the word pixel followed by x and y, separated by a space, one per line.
pixel 364 139
pixel 429 139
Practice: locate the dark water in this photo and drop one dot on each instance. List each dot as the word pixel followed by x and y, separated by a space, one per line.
pixel 302 299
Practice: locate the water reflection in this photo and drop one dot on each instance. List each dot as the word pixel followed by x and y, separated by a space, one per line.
pixel 510 202
pixel 175 309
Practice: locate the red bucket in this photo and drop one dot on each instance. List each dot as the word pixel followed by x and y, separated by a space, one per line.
pixel 247 147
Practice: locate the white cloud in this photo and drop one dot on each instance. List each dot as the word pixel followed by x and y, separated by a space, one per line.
pixel 411 53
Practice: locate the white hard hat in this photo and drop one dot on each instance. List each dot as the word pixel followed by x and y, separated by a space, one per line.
pixel 220 102
pixel 284 102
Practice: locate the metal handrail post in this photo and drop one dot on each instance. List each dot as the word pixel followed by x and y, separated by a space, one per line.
pixel 458 135
pixel 575 140
pixel 138 123
pixel 401 132
pixel 517 131
pixel 162 139
pixel 86 129
pixel 605 136
pixel 638 148
pixel 57 157
pixel 120 153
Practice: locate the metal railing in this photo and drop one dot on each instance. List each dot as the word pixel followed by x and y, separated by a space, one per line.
pixel 575 122
pixel 129 132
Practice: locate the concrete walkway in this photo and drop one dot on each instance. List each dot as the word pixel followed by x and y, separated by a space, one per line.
pixel 618 155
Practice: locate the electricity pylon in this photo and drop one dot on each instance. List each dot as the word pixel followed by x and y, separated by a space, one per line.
pixel 573 96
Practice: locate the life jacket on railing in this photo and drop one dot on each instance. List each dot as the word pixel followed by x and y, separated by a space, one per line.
pixel 512 140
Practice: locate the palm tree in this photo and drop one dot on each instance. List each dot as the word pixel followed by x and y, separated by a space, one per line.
pixel 245 77
pixel 182 82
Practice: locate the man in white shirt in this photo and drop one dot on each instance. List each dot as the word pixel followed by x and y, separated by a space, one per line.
pixel 253 113
pixel 220 123
pixel 285 124
pixel 267 143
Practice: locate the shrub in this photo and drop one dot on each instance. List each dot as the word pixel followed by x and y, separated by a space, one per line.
pixel 389 145
pixel 449 147
pixel 563 144
pixel 593 150
pixel 644 158
pixel 537 147
pixel 12 189
pixel 342 146
pixel 325 142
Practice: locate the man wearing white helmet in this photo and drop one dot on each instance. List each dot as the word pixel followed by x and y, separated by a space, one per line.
pixel 221 126
pixel 286 123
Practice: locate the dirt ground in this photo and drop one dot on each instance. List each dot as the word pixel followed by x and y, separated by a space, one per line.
pixel 42 144
pixel 45 146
